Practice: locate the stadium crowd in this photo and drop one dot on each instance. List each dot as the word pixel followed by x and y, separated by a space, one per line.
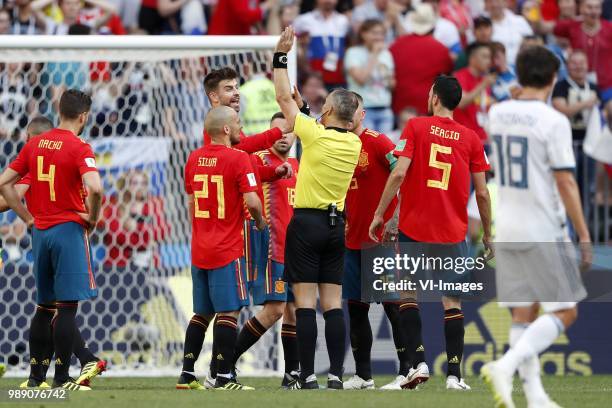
pixel 389 51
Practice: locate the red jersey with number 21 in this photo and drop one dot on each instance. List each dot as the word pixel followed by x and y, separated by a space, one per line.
pixel 217 176
pixel 435 192
pixel 56 161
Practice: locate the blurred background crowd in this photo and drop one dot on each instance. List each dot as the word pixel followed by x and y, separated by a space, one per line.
pixel 389 51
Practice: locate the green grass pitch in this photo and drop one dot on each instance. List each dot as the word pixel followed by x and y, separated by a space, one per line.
pixel 568 391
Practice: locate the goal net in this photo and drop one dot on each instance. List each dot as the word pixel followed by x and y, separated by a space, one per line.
pixel 147 116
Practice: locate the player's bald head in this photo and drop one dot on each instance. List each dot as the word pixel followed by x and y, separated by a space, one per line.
pixel 222 121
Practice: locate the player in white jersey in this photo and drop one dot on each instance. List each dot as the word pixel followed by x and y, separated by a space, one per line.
pixel 534 164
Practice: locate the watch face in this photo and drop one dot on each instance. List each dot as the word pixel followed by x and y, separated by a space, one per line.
pixel 283 59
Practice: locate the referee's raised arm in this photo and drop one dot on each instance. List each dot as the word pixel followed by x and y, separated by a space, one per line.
pixel 314 247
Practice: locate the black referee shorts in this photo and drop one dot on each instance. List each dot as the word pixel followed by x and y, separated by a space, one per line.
pixel 314 251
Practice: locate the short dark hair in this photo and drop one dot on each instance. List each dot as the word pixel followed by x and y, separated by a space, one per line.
pixel 39 124
pixel 214 77
pixel 536 66
pixel 367 25
pixel 277 115
pixel 475 46
pixel 345 103
pixel 74 102
pixel 496 47
pixel 482 21
pixel 448 89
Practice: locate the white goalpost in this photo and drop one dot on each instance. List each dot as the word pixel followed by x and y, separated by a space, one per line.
pixel 147 116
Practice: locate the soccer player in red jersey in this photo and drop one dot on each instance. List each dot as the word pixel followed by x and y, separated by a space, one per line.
pixel 62 168
pixel 91 366
pixel 436 156
pixel 376 161
pixel 268 286
pixel 218 179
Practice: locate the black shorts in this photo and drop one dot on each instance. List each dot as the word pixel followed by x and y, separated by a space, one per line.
pixel 314 251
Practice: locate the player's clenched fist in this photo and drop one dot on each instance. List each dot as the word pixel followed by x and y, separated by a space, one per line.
pixel 285 42
pixel 284 170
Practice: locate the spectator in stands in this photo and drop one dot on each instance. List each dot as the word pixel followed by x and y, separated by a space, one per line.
pixel 476 80
pixel 506 85
pixel 387 11
pixel 71 14
pixel 238 17
pixel 281 17
pixel 25 20
pixel 482 33
pixel 370 73
pixel 567 9
pixel 575 96
pixel 420 58
pixel 508 27
pixel 402 118
pixel 313 91
pixel 128 13
pixel 444 31
pixel 15 106
pixel 458 13
pixel 323 32
pixel 593 35
pixel 5 22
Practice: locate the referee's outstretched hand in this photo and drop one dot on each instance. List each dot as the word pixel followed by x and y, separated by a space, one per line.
pixel 285 42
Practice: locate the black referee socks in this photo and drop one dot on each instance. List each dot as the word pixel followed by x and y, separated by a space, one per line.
pixel 194 339
pixel 410 320
pixel 393 314
pixel 361 337
pixel 335 335
pixel 249 334
pixel 225 333
pixel 453 333
pixel 306 329
pixel 40 337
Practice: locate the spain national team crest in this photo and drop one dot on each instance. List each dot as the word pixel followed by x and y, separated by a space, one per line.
pixel 279 286
pixel 363 159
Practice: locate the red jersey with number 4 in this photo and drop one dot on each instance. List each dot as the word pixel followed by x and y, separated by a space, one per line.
pixel 278 200
pixel 435 192
pixel 217 176
pixel 56 161
pixel 375 162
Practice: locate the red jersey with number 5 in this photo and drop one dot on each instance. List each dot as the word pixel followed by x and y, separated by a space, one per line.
pixel 435 192
pixel 56 161
pixel 217 176
pixel 376 160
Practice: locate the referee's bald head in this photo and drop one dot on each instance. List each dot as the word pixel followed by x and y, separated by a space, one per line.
pixel 223 122
pixel 339 108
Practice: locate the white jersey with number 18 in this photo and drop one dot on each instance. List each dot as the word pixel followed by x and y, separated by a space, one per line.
pixel 530 140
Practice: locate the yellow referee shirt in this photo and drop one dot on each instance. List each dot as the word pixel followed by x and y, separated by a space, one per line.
pixel 329 158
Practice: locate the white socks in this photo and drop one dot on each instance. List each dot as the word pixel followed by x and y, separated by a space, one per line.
pixel 529 371
pixel 535 339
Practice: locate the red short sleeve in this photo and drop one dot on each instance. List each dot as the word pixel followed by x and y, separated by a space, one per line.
pixel 479 161
pixel 405 146
pixel 245 176
pixel 87 160
pixel 21 164
pixel 25 180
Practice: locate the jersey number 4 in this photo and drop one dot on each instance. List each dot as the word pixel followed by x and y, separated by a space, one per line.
pixel 46 177
pixel 436 164
pixel 203 194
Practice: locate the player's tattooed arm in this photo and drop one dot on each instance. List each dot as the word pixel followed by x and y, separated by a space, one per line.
pixel 93 183
pixel 391 188
pixel 282 85
pixel 483 200
pixel 10 194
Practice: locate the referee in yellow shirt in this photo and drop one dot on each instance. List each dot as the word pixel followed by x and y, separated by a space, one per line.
pixel 314 248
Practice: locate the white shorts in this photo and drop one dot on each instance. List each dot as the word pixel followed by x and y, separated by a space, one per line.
pixel 546 273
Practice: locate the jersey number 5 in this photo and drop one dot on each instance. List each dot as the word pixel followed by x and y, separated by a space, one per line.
pixel 46 177
pixel 436 164
pixel 203 193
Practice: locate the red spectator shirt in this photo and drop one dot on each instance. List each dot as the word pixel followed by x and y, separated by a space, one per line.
pixel 435 192
pixel 254 143
pixel 278 200
pixel 468 116
pixel 59 159
pixel 420 59
pixel 217 176
pixel 598 48
pixel 375 161
pixel 234 17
